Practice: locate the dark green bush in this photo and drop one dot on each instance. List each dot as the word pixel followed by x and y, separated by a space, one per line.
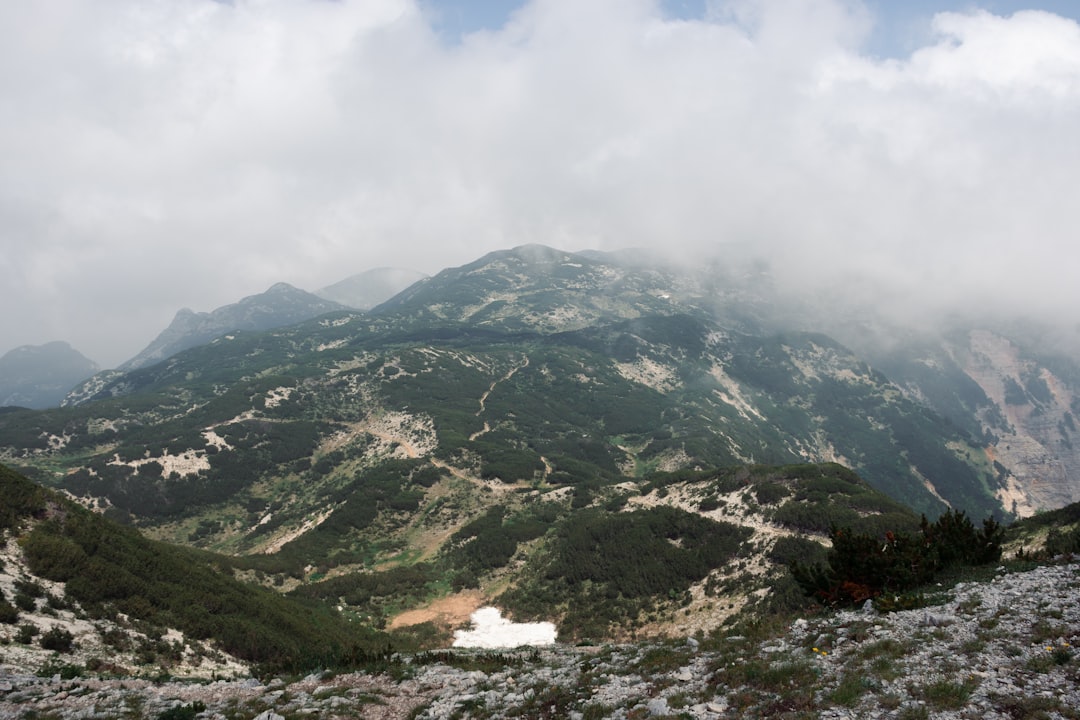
pixel 57 639
pixel 862 566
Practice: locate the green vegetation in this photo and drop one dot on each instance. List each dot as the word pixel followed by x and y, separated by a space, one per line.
pixel 111 569
pixel 862 566
pixel 605 568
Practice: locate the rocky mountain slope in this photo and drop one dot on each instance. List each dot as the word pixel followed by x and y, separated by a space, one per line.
pixel 40 376
pixel 999 649
pixel 465 440
pixel 78 589
pixel 279 306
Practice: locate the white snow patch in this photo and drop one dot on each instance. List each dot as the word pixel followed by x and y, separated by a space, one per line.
pixel 491 630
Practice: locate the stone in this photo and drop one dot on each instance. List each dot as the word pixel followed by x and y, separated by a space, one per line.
pixel 657 707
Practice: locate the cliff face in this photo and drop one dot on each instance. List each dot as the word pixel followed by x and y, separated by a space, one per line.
pixel 1032 421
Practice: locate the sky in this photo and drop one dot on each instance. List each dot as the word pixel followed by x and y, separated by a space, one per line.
pixel 163 154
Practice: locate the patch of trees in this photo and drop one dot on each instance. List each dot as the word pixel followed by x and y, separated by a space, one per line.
pixel 490 541
pixel 608 568
pixel 372 593
pixel 391 486
pixel 111 569
pixel 862 565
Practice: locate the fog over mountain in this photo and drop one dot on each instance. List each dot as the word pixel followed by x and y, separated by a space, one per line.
pixel 167 155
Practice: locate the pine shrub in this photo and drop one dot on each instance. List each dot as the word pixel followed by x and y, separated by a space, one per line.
pixel 861 566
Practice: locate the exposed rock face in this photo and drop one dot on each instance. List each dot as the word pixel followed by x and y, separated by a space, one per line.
pixel 1038 438
pixel 1000 649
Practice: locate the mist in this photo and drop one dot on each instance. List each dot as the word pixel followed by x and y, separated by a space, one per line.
pixel 161 155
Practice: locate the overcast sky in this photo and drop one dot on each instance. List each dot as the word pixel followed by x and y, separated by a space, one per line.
pixel 160 154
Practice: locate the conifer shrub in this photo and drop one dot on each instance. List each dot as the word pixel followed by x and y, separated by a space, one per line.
pixel 9 614
pixel 862 566
pixel 57 639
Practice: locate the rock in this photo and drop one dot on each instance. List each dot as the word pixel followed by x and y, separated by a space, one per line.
pixel 657 707
pixel 269 715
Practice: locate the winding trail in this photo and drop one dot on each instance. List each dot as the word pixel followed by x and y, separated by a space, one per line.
pixel 484 397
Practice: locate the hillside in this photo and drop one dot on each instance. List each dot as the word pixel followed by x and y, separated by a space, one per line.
pixel 104 597
pixel 457 444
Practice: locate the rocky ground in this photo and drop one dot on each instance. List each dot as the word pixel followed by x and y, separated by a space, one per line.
pixel 1000 649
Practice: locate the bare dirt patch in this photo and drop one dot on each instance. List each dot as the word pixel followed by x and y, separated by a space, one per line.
pixel 448 612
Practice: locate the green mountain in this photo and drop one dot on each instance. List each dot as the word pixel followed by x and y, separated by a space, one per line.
pixel 471 435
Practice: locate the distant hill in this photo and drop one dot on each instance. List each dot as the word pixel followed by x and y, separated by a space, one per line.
pixel 368 289
pixel 40 376
pixel 281 305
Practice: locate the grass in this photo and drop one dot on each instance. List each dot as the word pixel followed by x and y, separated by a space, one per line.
pixel 947 694
pixel 853 686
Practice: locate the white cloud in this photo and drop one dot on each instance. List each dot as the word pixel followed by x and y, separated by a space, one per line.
pixel 161 154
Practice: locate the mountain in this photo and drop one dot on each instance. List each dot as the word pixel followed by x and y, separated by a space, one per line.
pixel 470 436
pixel 40 376
pixel 281 305
pixel 370 288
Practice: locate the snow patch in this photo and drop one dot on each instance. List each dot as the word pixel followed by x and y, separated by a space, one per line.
pixel 491 630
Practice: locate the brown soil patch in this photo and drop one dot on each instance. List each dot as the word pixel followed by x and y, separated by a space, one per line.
pixel 449 612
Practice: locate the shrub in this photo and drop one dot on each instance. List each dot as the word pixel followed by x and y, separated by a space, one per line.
pixel 8 613
pixel 862 566
pixel 57 639
pixel 26 633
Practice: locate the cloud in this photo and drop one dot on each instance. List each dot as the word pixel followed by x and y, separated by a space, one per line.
pixel 162 154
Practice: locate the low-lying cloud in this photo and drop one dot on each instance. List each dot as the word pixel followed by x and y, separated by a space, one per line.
pixel 160 154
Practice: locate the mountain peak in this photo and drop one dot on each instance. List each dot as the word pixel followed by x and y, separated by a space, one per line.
pixel 281 304
pixel 282 287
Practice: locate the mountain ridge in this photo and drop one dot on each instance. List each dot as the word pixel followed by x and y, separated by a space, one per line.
pixel 280 305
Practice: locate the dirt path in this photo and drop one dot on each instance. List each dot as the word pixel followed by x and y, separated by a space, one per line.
pixel 491 389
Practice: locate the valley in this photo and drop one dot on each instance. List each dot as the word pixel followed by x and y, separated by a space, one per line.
pixel 576 439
